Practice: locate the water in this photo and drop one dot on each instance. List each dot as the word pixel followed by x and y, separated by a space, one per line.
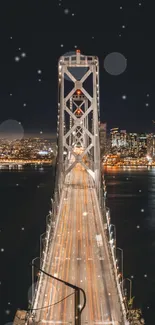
pixel 131 199
pixel 24 206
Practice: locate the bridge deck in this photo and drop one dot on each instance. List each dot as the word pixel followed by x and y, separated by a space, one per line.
pixel 78 258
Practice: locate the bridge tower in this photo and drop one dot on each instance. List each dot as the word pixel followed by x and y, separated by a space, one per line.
pixel 78 115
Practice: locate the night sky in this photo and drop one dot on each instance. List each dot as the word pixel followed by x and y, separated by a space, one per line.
pixel 34 34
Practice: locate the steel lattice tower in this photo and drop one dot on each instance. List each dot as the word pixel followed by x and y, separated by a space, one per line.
pixel 78 115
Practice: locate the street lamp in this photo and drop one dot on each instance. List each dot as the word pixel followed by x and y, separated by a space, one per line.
pixel 78 309
pixel 41 240
pixel 121 250
pixel 48 217
pixel 41 236
pixel 36 258
pixel 111 232
pixel 130 286
pixel 52 202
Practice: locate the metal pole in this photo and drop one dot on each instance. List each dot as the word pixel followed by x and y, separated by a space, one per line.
pixel 52 203
pixel 130 287
pixel 122 262
pixel 77 307
pixel 33 276
pixel 41 244
pixel 32 283
pixel 47 218
pixel 114 236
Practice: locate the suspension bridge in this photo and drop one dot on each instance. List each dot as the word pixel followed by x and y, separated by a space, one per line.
pixel 78 254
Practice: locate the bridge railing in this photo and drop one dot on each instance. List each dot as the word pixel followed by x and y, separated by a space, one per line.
pixel 106 223
pixel 50 227
pixel 43 261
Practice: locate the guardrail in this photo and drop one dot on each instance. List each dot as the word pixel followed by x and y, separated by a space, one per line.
pixel 38 289
pixel 106 223
pixel 48 239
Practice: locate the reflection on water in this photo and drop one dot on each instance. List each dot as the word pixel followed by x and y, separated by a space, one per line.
pixel 26 205
pixel 121 195
pixel 22 220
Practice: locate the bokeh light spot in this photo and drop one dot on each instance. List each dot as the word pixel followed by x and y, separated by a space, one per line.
pixel 115 63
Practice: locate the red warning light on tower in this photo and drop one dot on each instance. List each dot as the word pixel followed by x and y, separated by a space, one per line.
pixel 78 112
pixel 78 92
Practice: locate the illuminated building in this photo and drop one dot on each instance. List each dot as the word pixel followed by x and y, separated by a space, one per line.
pixel 142 145
pixel 151 145
pixel 123 136
pixel 132 144
pixel 114 134
pixel 118 140
pixel 27 148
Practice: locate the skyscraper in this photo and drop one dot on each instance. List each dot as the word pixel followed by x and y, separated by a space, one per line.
pixel 118 140
pixel 114 136
pixel 132 144
pixel 142 145
pixel 151 145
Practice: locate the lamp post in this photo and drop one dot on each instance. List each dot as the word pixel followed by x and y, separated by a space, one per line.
pixel 47 218
pixel 111 232
pixel 41 240
pixel 78 309
pixel 130 287
pixel 41 236
pixel 52 202
pixel 36 258
pixel 130 294
pixel 121 250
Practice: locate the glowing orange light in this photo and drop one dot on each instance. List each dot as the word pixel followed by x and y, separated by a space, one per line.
pixel 78 51
pixel 78 92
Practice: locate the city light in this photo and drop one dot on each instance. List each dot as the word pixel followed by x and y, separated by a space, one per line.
pixel 127 149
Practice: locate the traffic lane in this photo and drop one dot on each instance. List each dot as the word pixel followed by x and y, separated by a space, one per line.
pixel 73 271
pixel 68 304
pixel 62 313
pixel 91 287
pixel 75 275
pixel 44 297
pixel 101 266
pixel 97 288
pixel 101 290
pixel 94 292
pixel 55 269
pixel 109 278
pixel 83 262
pixel 64 291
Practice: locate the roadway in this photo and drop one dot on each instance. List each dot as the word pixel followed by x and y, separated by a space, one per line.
pixel 76 257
